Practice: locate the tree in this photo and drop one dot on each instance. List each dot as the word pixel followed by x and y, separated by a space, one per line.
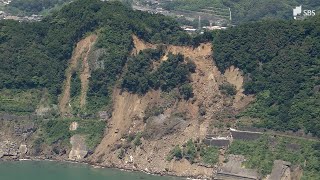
pixel 186 91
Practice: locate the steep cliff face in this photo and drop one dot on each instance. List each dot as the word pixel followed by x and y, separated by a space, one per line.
pixel 180 121
pixel 153 135
pixel 14 138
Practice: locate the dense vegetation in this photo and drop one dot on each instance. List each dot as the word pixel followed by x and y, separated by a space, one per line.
pixel 57 131
pixel 28 7
pixel 192 5
pixel 143 74
pixel 260 154
pixel 242 10
pixel 281 63
pixel 194 151
pixel 228 89
pixel 35 55
pixel 245 10
pixel 116 44
pixel 19 102
pixel 252 10
pixel 209 155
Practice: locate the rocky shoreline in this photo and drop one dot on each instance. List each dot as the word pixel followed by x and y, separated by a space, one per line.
pixel 94 165
pixel 17 143
pixel 154 173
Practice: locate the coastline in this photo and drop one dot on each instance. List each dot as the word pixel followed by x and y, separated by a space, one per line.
pixel 97 166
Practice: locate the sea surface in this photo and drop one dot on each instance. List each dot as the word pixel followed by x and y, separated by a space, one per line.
pixel 49 170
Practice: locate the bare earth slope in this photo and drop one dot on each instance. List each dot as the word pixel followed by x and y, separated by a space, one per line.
pixel 129 110
pixel 80 55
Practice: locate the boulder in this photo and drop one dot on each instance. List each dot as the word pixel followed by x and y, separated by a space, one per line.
pixel 79 148
pixel 8 148
pixel 23 149
pixel 280 170
pixel 73 126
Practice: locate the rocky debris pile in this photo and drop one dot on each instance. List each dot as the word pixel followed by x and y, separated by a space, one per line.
pixel 23 149
pixel 281 170
pixel 104 115
pixel 20 129
pixel 233 169
pixel 8 148
pixel 159 126
pixel 79 148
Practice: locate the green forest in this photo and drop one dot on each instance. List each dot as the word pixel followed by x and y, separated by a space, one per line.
pixel 281 63
pixel 242 10
pixel 29 7
pixel 252 10
pixel 142 75
pixel 280 60
pixel 245 10
pixel 261 153
pixel 35 55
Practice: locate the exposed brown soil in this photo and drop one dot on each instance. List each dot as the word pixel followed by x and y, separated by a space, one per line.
pixel 129 111
pixel 80 53
pixel 140 45
pixel 126 106
pixel 85 73
pixel 234 76
pixel 205 83
pixel 296 173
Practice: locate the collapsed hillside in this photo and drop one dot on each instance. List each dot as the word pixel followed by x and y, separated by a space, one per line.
pixel 180 120
pixel 132 114
pixel 127 89
pixel 80 69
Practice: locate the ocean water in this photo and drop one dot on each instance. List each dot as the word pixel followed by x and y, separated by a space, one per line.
pixel 48 170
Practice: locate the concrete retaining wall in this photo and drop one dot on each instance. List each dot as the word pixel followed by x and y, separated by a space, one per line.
pixel 245 135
